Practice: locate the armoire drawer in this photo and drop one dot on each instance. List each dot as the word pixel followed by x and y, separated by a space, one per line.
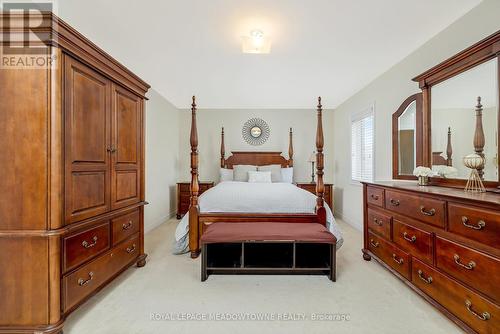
pixel 426 209
pixel 379 223
pixel 82 282
pixel 477 312
pixel 477 224
pixel 476 269
pixel 124 226
pixel 413 240
pixel 390 254
pixel 375 196
pixel 83 246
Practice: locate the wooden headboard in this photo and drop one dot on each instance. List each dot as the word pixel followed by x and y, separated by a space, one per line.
pixel 256 158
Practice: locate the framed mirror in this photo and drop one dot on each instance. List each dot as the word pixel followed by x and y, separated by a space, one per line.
pixel 407 138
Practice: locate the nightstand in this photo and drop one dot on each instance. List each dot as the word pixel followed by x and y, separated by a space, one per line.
pixel 311 187
pixel 184 194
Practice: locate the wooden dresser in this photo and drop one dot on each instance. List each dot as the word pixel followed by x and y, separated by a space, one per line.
pixel 443 243
pixel 71 210
pixel 311 187
pixel 184 194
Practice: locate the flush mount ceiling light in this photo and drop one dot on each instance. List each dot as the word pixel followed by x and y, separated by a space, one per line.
pixel 256 42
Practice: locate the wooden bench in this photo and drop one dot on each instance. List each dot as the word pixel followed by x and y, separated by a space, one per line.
pixel 268 248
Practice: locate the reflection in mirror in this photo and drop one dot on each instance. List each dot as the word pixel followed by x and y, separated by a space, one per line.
pixel 407 139
pixel 455 121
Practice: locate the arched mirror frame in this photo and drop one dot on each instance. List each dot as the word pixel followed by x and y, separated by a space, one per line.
pixel 417 98
pixel 483 51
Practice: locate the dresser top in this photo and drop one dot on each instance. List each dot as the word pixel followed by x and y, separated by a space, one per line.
pixel 458 193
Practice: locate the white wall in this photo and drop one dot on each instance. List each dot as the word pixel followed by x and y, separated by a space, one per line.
pixel 162 159
pixel 210 122
pixel 388 91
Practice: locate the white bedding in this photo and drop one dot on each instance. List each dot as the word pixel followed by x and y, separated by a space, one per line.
pixel 254 197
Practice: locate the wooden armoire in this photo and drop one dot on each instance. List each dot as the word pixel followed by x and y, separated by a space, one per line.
pixel 72 173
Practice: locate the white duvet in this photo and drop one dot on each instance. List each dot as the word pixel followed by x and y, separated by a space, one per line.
pixel 254 197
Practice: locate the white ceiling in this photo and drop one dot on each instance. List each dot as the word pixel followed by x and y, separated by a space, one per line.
pixel 331 48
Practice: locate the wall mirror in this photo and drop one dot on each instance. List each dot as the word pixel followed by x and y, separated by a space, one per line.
pixel 407 136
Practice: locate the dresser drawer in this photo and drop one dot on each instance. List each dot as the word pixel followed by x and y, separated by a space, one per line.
pixel 390 254
pixel 476 269
pixel 82 282
pixel 82 246
pixel 375 196
pixel 459 300
pixel 476 224
pixel 379 223
pixel 125 226
pixel 184 187
pixel 413 240
pixel 425 209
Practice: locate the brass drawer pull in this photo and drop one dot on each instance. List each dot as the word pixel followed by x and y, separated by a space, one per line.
pixel 431 212
pixel 86 244
pixel 400 261
pixel 374 244
pixel 82 282
pixel 394 202
pixel 427 280
pixel 412 239
pixel 480 224
pixel 131 249
pixel 127 225
pixel 468 266
pixel 377 222
pixel 483 316
pixel 375 197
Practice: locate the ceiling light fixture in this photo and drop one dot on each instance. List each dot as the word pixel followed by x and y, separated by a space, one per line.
pixel 256 43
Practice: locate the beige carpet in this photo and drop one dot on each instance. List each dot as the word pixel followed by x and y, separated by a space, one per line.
pixel 169 287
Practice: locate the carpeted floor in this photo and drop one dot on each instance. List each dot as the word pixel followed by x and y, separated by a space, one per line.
pixel 166 296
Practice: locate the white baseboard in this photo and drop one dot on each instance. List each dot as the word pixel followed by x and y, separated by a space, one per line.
pixel 158 222
pixel 348 220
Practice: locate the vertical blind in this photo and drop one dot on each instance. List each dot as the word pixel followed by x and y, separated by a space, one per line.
pixel 362 132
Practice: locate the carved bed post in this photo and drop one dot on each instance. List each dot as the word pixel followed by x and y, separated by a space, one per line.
pixel 222 151
pixel 320 186
pixel 449 150
pixel 290 149
pixel 479 134
pixel 194 246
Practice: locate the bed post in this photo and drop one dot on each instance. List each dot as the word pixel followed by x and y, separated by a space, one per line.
pixel 222 151
pixel 320 186
pixel 194 246
pixel 290 149
pixel 449 150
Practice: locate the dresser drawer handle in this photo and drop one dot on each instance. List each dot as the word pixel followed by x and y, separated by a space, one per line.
pixel 480 224
pixel 374 244
pixel 468 266
pixel 82 282
pixel 394 202
pixel 399 261
pixel 127 225
pixel 87 244
pixel 131 249
pixel 427 280
pixel 377 222
pixel 412 239
pixel 431 212
pixel 483 316
pixel 375 197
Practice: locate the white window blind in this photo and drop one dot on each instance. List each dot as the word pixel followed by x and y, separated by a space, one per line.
pixel 362 145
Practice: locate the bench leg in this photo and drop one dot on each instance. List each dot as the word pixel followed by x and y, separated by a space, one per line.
pixel 333 263
pixel 204 275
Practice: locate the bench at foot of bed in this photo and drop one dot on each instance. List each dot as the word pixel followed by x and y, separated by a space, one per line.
pixel 268 248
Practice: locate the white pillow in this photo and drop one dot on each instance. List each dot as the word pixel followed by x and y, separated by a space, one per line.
pixel 259 177
pixel 226 174
pixel 275 171
pixel 240 172
pixel 287 175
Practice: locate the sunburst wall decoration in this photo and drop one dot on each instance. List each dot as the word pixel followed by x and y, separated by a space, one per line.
pixel 255 131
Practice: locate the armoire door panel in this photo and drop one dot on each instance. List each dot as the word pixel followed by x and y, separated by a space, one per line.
pixel 88 141
pixel 126 138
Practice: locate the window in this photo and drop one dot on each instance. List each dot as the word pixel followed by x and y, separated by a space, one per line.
pixel 362 145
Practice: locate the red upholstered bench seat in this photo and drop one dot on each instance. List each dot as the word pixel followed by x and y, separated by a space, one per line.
pixel 238 232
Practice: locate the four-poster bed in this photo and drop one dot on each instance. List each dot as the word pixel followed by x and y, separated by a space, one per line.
pixel 199 220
